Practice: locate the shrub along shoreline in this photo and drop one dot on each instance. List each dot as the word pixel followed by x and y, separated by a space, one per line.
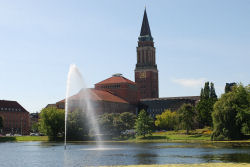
pixel 198 135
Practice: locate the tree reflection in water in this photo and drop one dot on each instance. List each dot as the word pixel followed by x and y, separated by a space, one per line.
pixel 238 157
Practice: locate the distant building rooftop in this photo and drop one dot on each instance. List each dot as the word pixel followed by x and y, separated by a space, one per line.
pixel 7 105
pixel 50 105
pixel 156 106
pixel 172 98
pixel 116 78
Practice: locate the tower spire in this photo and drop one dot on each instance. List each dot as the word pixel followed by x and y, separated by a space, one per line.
pixel 146 73
pixel 145 29
pixel 145 33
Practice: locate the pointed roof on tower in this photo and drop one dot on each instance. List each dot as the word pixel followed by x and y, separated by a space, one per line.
pixel 145 29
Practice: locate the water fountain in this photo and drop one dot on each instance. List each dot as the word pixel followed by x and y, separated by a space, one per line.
pixel 75 83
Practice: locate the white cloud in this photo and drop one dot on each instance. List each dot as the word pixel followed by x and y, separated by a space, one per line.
pixel 190 82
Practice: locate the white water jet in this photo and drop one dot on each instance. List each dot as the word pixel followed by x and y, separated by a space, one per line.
pixel 75 83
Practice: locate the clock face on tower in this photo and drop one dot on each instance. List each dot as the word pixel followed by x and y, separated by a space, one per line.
pixel 143 74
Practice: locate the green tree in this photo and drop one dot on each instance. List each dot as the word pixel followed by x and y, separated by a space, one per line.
pixel 144 124
pixel 204 110
pixel 205 105
pixel 212 92
pixel 206 91
pixel 114 124
pixel 110 124
pixel 167 120
pixel 186 117
pixel 231 116
pixel 229 87
pixel 77 127
pixel 34 127
pixel 202 93
pixel 51 122
pixel 128 120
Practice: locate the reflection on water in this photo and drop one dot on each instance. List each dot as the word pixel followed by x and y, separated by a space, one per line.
pixel 146 158
pixel 237 157
pixel 228 145
pixel 99 149
pixel 44 154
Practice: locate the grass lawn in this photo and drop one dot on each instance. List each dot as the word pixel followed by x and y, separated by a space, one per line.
pixel 194 165
pixel 24 138
pixel 32 138
pixel 195 135
pixel 198 135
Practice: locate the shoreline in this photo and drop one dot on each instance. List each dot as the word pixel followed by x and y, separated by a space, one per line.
pixel 190 165
pixel 46 139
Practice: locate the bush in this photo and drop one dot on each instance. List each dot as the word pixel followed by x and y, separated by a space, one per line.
pixel 231 116
pixel 186 117
pixel 144 124
pixel 77 128
pixel 167 120
pixel 113 124
pixel 51 122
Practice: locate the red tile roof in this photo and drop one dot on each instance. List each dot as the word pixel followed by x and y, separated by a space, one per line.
pixel 97 95
pixel 116 79
pixel 7 105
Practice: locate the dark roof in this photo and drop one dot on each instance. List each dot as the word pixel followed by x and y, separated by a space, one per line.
pixel 7 105
pixel 145 29
pixel 116 79
pixel 157 105
pixel 172 98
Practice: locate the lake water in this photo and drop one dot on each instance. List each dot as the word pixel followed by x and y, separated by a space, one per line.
pixel 44 154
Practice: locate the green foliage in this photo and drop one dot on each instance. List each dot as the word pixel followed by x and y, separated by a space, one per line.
pixel 167 120
pixel 109 124
pixel 144 124
pixel 231 116
pixel 204 110
pixel 205 105
pixel 1 122
pixel 229 87
pixel 51 122
pixel 186 117
pixel 34 127
pixel 202 93
pixel 206 91
pixel 113 124
pixel 128 120
pixel 212 92
pixel 77 128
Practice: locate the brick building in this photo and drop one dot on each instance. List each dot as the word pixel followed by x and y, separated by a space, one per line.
pixel 121 87
pixel 116 94
pixel 146 72
pixel 146 77
pixel 119 94
pixel 15 118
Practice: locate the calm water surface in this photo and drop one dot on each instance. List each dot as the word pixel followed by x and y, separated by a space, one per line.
pixel 43 154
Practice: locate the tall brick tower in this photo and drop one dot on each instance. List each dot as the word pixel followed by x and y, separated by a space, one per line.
pixel 146 73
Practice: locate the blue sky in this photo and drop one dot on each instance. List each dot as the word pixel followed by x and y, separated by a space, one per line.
pixel 196 41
